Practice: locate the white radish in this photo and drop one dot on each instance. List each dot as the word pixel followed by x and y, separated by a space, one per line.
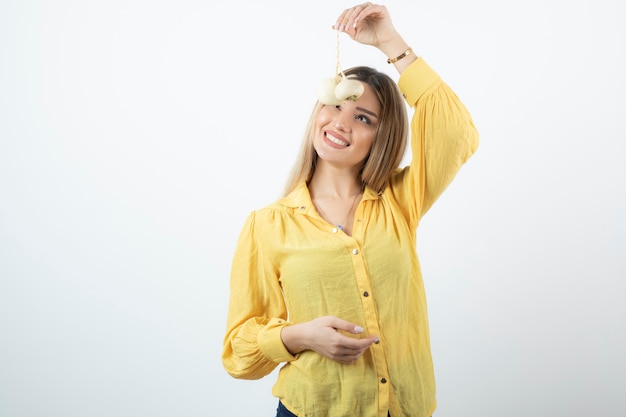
pixel 333 91
pixel 326 92
pixel 349 89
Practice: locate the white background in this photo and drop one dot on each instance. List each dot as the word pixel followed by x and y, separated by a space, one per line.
pixel 135 136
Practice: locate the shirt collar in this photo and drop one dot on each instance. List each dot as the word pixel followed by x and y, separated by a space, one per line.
pixel 300 198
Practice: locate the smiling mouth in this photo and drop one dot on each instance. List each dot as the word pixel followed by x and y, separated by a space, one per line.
pixel 336 141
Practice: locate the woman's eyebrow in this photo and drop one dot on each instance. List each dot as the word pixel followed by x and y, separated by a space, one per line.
pixel 367 111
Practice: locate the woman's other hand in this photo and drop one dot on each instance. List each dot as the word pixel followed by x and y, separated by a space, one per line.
pixel 323 336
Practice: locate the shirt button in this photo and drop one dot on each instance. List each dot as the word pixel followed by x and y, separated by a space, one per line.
pixel 366 294
pixel 383 380
pixel 355 251
pixel 335 230
pixel 302 208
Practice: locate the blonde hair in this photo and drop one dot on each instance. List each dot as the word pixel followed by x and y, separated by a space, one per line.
pixel 389 144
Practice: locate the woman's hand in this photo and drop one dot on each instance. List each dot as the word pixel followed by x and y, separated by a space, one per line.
pixel 370 24
pixel 322 336
pixel 367 23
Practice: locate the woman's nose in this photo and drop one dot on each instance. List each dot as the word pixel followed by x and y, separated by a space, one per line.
pixel 343 121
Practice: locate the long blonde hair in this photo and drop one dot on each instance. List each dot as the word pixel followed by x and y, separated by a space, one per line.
pixel 388 147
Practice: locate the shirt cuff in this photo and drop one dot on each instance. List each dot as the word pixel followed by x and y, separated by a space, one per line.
pixel 417 80
pixel 271 344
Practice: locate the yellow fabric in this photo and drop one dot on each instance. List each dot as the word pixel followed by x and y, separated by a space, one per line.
pixel 372 278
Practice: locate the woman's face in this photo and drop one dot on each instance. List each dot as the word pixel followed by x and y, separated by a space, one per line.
pixel 344 133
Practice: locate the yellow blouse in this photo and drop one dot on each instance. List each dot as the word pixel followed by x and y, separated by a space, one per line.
pixel 291 266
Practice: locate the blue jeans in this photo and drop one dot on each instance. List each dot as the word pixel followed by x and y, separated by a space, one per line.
pixel 282 411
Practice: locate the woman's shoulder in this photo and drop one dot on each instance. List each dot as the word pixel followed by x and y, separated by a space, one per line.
pixel 295 200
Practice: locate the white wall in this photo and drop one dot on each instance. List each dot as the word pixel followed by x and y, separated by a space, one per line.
pixel 135 136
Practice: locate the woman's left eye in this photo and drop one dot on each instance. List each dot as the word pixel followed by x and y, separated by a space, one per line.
pixel 363 119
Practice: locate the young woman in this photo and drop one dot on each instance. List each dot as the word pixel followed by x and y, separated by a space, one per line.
pixel 326 280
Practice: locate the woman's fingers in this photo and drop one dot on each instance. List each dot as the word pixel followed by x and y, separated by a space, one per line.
pixel 352 349
pixel 348 18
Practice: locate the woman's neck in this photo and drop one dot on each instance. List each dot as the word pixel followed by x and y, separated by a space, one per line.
pixel 336 197
pixel 332 183
pixel 334 186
